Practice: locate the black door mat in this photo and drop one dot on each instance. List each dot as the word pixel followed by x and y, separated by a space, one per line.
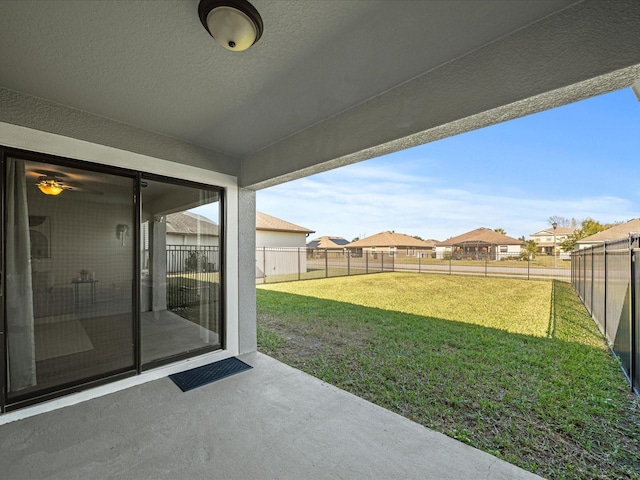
pixel 196 377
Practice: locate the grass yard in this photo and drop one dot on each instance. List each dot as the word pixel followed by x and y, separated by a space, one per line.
pixel 513 367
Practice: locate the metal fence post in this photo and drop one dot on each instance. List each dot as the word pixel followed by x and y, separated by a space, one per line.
pixel 486 262
pixel 605 288
pixel 299 263
pixel 382 260
pixel 593 279
pixel 326 264
pixel 632 313
pixel 264 264
pixel 366 262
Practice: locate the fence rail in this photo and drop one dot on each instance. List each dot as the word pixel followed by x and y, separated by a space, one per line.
pixel 607 280
pixel 279 264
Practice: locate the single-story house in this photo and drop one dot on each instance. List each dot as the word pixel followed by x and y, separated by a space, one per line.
pixel 545 239
pixel 280 246
pixel 479 244
pixel 114 114
pixel 275 232
pixel 192 242
pixel 188 228
pixel 327 243
pixel 391 243
pixel 617 232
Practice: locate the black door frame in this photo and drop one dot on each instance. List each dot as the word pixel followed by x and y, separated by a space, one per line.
pixel 3 340
pixel 222 249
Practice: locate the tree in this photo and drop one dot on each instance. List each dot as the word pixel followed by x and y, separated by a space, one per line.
pixel 529 250
pixel 561 221
pixel 500 230
pixel 355 239
pixel 588 227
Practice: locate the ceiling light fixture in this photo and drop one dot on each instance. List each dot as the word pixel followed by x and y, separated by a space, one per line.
pixel 50 186
pixel 234 24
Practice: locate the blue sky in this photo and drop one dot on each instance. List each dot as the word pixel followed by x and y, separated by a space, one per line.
pixel 581 160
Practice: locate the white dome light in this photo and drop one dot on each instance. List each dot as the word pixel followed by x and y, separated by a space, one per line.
pixel 234 24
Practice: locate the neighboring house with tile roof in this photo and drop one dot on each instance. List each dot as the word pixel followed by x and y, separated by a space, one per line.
pixel 280 246
pixel 335 244
pixel 185 232
pixel 186 228
pixel 392 243
pixel 478 244
pixel 617 232
pixel 544 239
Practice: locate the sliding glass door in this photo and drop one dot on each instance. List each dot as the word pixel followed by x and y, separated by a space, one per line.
pixel 180 253
pixel 105 272
pixel 69 276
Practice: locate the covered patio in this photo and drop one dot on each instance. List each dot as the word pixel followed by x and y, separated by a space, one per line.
pixel 272 421
pixel 137 103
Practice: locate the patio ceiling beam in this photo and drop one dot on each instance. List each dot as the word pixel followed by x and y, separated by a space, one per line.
pixel 589 48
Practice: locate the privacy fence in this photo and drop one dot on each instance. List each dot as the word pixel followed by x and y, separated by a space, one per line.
pixel 607 279
pixel 290 264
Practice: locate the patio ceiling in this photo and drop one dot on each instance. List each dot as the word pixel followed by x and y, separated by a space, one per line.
pixel 329 83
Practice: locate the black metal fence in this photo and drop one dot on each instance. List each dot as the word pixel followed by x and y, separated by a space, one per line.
pixel 493 264
pixel 285 264
pixel 289 264
pixel 193 277
pixel 607 280
pixel 192 258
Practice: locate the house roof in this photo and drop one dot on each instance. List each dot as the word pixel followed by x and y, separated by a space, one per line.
pixel 327 242
pixel 390 239
pixel 269 223
pixel 617 232
pixel 559 231
pixel 481 235
pixel 187 223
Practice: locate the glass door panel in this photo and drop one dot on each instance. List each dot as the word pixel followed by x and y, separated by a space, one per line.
pixel 69 275
pixel 180 286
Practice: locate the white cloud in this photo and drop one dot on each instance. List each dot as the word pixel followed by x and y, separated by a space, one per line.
pixel 371 201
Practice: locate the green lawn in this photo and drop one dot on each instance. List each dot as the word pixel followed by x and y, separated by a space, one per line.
pixel 516 368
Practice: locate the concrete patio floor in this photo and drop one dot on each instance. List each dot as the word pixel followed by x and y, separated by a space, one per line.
pixel 270 422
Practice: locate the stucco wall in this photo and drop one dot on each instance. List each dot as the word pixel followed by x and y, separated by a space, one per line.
pixel 265 238
pixel 247 341
pixel 27 111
